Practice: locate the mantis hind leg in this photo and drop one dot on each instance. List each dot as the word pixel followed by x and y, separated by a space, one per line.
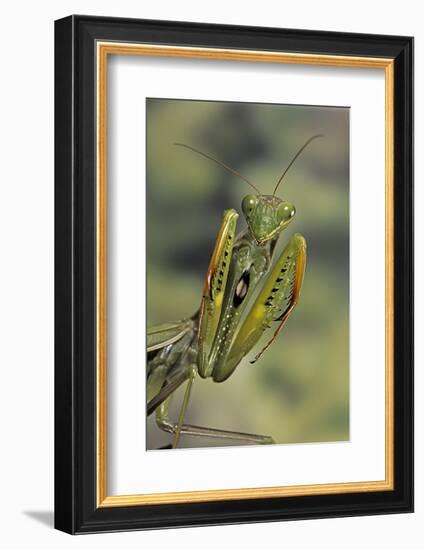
pixel 162 412
pixel 160 403
pixel 178 428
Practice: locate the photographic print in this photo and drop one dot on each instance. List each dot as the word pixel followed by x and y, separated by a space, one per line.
pixel 233 287
pixel 247 210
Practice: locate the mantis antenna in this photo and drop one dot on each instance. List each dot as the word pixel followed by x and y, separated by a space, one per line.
pixel 294 158
pixel 220 163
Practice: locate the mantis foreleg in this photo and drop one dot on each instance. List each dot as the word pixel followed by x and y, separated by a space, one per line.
pixel 275 302
pixel 213 292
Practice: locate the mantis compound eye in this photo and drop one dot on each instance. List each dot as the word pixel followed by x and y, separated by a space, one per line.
pixel 286 211
pixel 248 204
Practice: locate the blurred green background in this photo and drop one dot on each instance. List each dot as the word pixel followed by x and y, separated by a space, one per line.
pixel 299 390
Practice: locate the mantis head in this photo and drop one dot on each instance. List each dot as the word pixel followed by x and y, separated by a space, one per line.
pixel 266 215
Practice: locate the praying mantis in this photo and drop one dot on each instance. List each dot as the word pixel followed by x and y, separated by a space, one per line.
pixel 229 323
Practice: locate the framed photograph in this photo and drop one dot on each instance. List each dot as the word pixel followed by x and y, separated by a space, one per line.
pixel 234 274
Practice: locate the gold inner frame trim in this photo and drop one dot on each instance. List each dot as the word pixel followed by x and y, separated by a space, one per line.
pixel 104 49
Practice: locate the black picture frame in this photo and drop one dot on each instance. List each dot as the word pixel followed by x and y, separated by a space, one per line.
pixel 76 509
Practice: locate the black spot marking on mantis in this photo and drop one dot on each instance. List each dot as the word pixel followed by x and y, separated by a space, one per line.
pixel 242 289
pixel 273 291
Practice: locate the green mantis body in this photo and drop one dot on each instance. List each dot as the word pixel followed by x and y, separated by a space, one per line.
pixel 229 323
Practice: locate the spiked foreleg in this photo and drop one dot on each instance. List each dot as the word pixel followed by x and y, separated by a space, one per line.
pixel 214 289
pixel 275 302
